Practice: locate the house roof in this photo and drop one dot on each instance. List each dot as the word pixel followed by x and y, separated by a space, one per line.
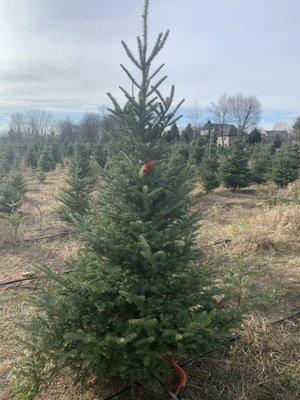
pixel 271 135
pixel 275 133
pixel 217 129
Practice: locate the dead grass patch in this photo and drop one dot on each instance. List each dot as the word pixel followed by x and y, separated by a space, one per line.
pixel 262 364
pixel 268 228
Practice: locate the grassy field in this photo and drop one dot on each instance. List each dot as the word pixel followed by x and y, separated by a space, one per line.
pixel 255 231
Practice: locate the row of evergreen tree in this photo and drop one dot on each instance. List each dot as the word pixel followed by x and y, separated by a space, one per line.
pixel 46 156
pixel 240 165
pixel 235 167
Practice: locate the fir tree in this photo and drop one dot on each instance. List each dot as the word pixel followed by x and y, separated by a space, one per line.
pixel 46 163
pixel 7 159
pixel 254 137
pixel 234 170
pixel 188 134
pixel 173 134
pixel 293 153
pixel 261 163
pixel 138 289
pixel 18 183
pixel 99 154
pixel 32 156
pixel 75 196
pixel 200 147
pixel 209 169
pixel 84 153
pixel 10 198
pixel 40 176
pixel 284 170
pixel 55 153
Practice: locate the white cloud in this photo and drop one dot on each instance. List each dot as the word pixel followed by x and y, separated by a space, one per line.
pixel 65 55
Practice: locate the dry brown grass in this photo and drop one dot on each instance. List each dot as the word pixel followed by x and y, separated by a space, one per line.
pixel 268 228
pixel 263 364
pixel 290 193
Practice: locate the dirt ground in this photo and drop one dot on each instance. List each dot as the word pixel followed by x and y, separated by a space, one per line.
pixel 260 225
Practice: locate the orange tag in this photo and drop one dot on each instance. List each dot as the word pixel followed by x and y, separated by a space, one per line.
pixel 146 168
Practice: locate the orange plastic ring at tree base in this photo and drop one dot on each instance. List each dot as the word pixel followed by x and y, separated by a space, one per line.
pixel 182 375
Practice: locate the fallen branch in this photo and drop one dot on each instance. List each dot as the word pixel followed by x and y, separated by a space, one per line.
pixel 63 233
pixel 18 280
pixel 223 241
pixel 30 278
pixel 288 317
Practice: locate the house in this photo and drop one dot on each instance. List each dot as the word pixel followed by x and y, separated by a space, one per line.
pixel 225 134
pixel 275 137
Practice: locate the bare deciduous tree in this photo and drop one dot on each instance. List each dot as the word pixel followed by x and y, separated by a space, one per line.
pixel 221 112
pixel 245 111
pixel 283 126
pixel 90 127
pixel 108 125
pixel 37 123
pixel 67 130
pixel 296 129
pixel 195 114
pixel 33 124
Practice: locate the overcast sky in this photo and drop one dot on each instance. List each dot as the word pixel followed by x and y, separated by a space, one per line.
pixel 64 55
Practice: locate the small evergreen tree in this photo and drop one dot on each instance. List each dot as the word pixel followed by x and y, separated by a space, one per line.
pixel 293 153
pixel 188 134
pixel 199 148
pixel 46 163
pixel 32 156
pixel 99 154
pixel 284 170
pixel 138 289
pixel 7 159
pixel 55 153
pixel 210 169
pixel 68 149
pixel 234 172
pixel 18 183
pixel 84 153
pixel 75 196
pixel 10 198
pixel 173 134
pixel 254 136
pixel 40 176
pixel 261 163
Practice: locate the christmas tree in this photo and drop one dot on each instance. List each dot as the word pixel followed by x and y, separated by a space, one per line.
pixel 284 167
pixel 138 289
pixel 173 134
pixel 55 153
pixel 200 147
pixel 210 169
pixel 46 162
pixel 99 154
pixel 261 162
pixel 11 196
pixel 75 196
pixel 234 170
pixel 32 156
pixel 40 175
pixel 18 183
pixel 84 153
